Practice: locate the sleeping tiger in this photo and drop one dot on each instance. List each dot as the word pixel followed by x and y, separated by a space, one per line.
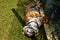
pixel 34 18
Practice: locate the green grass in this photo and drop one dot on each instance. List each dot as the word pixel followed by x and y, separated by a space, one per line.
pixel 10 27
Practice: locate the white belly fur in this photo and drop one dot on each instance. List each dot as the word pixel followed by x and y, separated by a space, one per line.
pixel 37 20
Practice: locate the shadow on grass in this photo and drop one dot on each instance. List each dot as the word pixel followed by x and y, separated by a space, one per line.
pixel 42 33
pixel 18 17
pixel 34 38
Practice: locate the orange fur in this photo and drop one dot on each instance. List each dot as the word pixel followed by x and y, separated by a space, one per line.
pixel 45 20
pixel 28 7
pixel 25 19
pixel 32 14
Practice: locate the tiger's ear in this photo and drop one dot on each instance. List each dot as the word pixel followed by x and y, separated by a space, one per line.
pixel 45 20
